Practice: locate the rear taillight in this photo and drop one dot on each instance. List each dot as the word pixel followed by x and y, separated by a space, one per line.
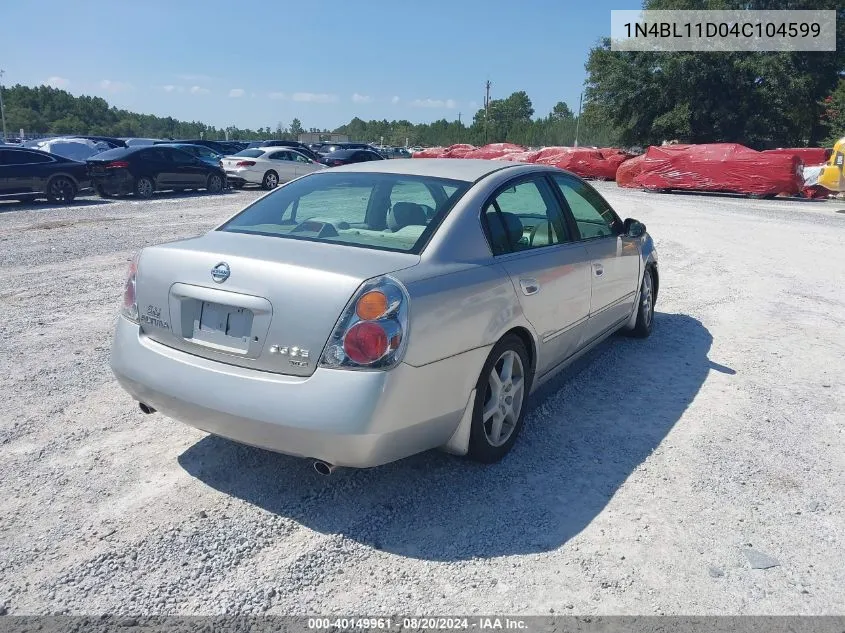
pixel 245 163
pixel 130 303
pixel 372 332
pixel 117 164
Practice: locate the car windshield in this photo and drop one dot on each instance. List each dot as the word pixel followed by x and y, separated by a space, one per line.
pixel 395 212
pixel 250 153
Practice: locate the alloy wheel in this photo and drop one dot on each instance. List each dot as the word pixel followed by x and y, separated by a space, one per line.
pixel 504 398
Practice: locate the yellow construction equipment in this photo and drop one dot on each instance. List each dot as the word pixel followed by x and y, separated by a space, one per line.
pixel 832 176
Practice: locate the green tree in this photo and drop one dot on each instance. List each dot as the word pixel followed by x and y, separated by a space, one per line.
pixel 759 99
pixel 296 128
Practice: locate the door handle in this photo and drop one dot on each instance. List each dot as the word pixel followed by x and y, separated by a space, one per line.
pixel 598 269
pixel 529 286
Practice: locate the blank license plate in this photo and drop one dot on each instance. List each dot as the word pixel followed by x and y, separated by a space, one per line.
pixel 223 326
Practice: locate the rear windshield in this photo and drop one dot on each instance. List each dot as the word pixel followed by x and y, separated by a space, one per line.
pixel 394 212
pixel 250 153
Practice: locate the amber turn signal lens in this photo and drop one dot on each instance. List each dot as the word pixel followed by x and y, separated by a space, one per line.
pixel 371 305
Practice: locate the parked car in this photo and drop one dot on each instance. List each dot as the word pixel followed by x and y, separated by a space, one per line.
pixel 108 140
pixel 366 313
pixel 146 169
pixel 328 148
pixel 29 174
pixel 302 148
pixel 198 151
pixel 267 166
pixel 133 142
pixel 212 145
pixel 347 156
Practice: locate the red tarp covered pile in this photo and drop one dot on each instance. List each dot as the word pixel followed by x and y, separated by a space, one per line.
pixel 629 170
pixel 810 155
pixel 458 151
pixel 728 167
pixel 494 150
pixel 431 152
pixel 520 157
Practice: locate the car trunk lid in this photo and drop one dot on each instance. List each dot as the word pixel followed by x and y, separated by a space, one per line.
pixel 273 311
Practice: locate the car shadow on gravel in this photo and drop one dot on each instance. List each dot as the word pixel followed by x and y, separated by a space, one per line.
pixel 585 433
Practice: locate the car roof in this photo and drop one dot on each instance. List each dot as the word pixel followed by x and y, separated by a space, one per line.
pixel 468 170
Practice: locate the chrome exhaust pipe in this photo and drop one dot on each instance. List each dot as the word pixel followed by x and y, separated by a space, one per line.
pixel 324 468
pixel 146 408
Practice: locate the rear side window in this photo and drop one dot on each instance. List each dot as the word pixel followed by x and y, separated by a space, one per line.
pixel 370 210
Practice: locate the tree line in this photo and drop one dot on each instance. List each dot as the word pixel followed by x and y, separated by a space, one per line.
pixel 47 110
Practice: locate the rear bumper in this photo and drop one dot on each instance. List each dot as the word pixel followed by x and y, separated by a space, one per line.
pixel 242 175
pixel 347 418
pixel 121 182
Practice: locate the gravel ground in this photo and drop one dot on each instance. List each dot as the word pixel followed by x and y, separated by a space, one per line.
pixel 650 478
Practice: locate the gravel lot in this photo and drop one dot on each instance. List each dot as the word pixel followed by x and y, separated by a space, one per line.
pixel 643 476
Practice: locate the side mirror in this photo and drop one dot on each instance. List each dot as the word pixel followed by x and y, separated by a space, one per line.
pixel 633 228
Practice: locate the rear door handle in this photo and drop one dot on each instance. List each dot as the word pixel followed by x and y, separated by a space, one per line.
pixel 529 286
pixel 598 269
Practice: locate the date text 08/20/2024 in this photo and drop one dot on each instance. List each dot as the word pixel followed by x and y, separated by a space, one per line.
pixel 427 623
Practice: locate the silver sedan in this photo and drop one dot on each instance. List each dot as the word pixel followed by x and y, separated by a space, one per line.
pixel 362 314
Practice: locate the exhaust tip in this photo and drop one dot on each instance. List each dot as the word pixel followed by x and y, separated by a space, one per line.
pixel 146 408
pixel 324 468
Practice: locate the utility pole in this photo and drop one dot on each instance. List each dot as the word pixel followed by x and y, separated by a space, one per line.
pixel 459 118
pixel 3 108
pixel 578 120
pixel 486 109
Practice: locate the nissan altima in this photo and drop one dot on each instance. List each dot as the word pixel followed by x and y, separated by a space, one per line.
pixel 362 314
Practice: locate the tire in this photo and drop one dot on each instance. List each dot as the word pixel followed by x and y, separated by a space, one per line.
pixel 61 189
pixel 214 184
pixel 144 187
pixel 270 180
pixel 645 309
pixel 490 440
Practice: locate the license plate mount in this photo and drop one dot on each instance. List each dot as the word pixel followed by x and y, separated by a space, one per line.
pixel 223 327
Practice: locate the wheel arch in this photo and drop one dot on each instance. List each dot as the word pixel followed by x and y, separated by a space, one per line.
pixel 530 345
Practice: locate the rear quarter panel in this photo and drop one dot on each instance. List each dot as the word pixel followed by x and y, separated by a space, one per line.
pixel 457 309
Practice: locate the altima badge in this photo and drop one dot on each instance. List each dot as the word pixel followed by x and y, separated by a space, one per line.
pixel 221 272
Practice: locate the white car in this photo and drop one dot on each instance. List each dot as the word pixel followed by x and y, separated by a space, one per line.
pixel 267 166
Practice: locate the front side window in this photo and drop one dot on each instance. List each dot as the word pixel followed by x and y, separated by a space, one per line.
pixel 302 159
pixel 592 214
pixel 370 210
pixel 281 156
pixel 523 217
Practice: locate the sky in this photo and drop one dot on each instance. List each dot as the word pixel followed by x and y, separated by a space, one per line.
pixel 257 63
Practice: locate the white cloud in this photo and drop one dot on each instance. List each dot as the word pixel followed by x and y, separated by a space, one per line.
pixel 394 100
pixel 278 96
pixel 57 82
pixel 195 78
pixel 434 103
pixel 314 97
pixel 199 90
pixel 356 98
pixel 237 92
pixel 115 86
